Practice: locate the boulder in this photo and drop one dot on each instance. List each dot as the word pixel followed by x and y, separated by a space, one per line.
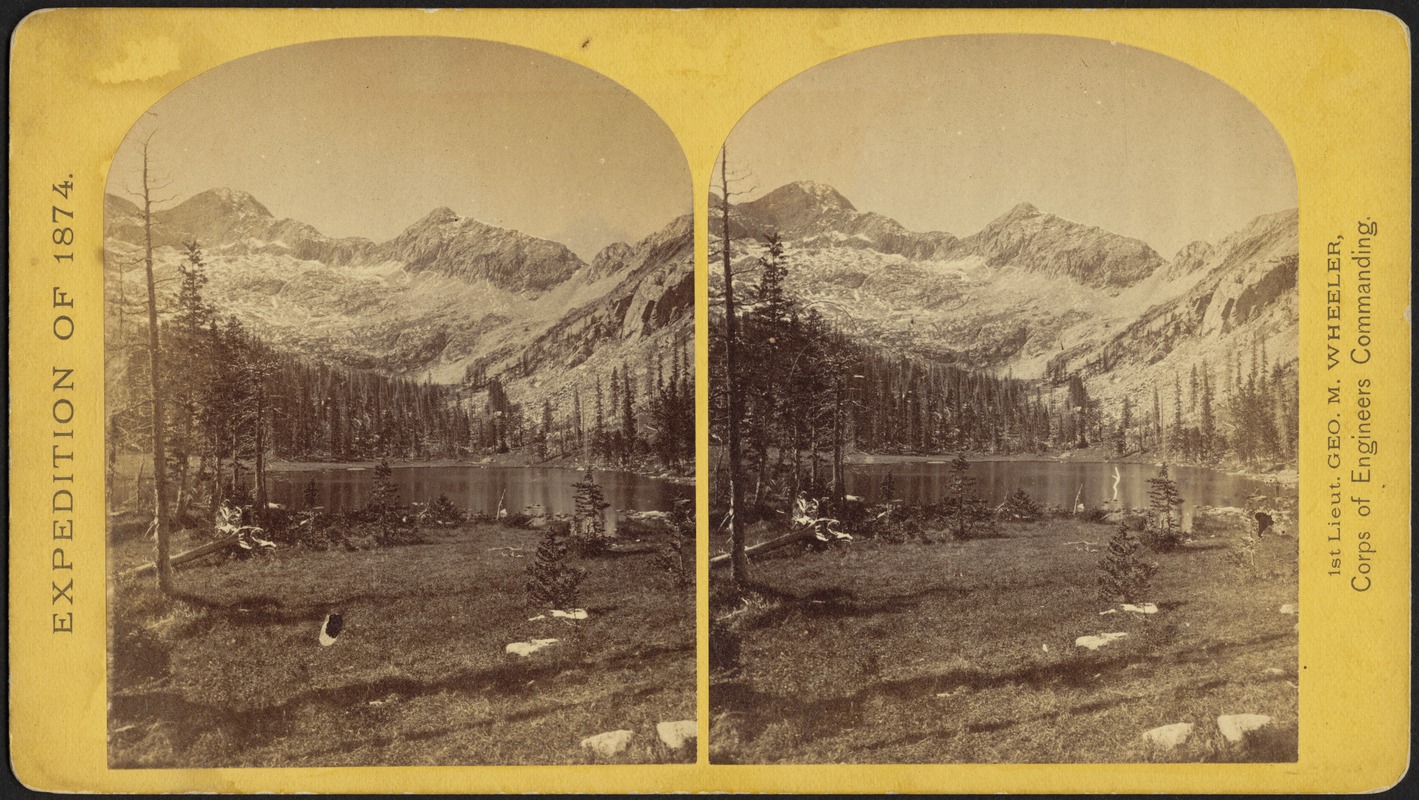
pixel 1141 608
pixel 608 744
pixel 676 735
pixel 1289 608
pixel 1169 736
pixel 1275 672
pixel 575 613
pixel 1235 727
pixel 1095 642
pixel 529 647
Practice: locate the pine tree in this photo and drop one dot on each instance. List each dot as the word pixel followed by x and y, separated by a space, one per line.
pixel 888 489
pixel 1165 503
pixel 577 426
pixel 551 581
pixel 589 517
pixel 1123 577
pixel 1124 422
pixel 392 525
pixel 600 442
pixel 1208 426
pixel 628 417
pixel 966 509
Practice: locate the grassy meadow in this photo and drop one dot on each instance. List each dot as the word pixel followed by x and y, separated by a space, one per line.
pixel 231 674
pixel 935 650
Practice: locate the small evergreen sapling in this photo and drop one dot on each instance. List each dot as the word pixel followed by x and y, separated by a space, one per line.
pixel 677 558
pixel 888 488
pixel 966 511
pixel 1123 577
pixel 550 579
pixel 589 520
pixel 1164 531
pixel 392 524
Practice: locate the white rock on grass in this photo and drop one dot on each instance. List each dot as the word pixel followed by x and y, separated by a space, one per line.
pixel 575 613
pixel 1289 608
pixel 608 744
pixel 1169 736
pixel 1275 672
pixel 1141 608
pixel 677 734
pixel 1235 727
pixel 527 648
pixel 1095 642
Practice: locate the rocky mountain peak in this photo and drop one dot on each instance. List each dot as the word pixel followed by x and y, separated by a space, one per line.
pixel 439 216
pixel 222 202
pixel 803 197
pixel 1026 238
pixel 1022 211
pixel 612 259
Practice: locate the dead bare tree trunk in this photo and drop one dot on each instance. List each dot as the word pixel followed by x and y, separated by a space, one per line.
pixel 160 480
pixel 739 562
pixel 839 432
pixel 261 502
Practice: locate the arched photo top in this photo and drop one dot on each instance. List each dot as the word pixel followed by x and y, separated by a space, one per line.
pixel 361 136
pixel 983 293
pixel 947 133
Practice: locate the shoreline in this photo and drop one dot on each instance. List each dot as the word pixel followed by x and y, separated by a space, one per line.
pixel 284 466
pixel 1288 476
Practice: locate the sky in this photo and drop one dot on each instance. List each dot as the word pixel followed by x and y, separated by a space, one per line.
pixel 362 137
pixel 949 133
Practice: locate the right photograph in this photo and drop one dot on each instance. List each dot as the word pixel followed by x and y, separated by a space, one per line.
pixel 1003 413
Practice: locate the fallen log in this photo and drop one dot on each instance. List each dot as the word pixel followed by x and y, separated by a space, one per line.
pixel 185 556
pixel 764 547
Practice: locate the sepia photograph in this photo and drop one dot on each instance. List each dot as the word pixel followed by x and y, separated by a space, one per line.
pixel 1003 413
pixel 399 415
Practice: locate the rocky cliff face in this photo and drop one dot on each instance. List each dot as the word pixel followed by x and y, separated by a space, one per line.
pixel 466 248
pixel 446 293
pixel 1031 293
pixel 1242 300
pixel 1029 240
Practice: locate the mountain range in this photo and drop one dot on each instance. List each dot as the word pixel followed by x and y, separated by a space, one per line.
pixel 1031 294
pixel 447 295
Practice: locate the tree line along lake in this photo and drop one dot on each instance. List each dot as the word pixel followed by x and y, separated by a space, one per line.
pixel 1059 483
pixel 479 488
pixel 483 488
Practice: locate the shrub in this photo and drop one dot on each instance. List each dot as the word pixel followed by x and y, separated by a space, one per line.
pixel 517 521
pixel 1096 514
pixel 1123 577
pixel 677 557
pixel 1021 507
pixel 1160 540
pixel 443 513
pixel 724 647
pixel 1243 556
pixel 550 579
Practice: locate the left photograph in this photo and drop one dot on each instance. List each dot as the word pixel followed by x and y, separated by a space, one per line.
pixel 399 402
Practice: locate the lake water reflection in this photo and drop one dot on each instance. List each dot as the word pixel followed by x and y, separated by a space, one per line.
pixel 479 488
pixel 1058 483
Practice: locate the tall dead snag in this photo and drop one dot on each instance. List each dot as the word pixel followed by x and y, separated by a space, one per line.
pixel 738 560
pixel 160 472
